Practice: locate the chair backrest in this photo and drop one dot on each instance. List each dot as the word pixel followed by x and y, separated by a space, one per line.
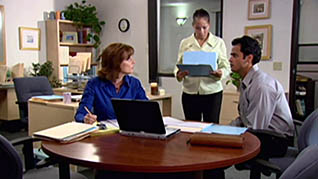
pixel 10 162
pixel 27 87
pixel 305 165
pixel 308 133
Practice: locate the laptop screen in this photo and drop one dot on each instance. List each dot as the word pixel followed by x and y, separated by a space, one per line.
pixel 138 116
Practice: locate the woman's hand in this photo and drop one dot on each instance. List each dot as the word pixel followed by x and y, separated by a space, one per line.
pixel 217 73
pixel 90 118
pixel 182 74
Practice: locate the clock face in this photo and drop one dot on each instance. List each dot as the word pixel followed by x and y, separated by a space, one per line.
pixel 123 25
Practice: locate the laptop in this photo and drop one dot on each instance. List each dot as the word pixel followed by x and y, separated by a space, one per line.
pixel 141 118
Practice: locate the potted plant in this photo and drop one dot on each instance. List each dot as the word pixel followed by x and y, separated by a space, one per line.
pixel 45 69
pixel 235 80
pixel 85 15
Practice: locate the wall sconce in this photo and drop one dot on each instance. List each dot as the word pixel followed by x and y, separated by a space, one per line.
pixel 181 20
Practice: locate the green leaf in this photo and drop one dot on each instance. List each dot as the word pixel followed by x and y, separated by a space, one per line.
pixel 85 15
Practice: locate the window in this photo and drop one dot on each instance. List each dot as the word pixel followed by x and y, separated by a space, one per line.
pixel 165 33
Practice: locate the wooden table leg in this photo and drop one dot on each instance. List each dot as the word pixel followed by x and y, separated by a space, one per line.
pixel 166 107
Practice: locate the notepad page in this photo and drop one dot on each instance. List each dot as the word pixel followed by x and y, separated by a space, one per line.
pixel 65 130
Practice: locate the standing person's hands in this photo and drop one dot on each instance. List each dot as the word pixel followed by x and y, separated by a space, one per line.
pixel 217 73
pixel 182 74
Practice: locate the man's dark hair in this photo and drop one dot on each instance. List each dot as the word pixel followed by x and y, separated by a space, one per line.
pixel 201 13
pixel 249 46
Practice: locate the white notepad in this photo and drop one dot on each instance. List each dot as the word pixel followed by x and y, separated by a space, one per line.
pixel 66 132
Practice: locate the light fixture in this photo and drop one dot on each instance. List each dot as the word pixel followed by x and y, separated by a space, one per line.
pixel 181 20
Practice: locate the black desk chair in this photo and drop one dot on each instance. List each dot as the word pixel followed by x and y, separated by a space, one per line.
pixel 27 87
pixel 11 164
pixel 267 165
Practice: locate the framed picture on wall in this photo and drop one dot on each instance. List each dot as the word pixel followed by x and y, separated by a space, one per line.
pixel 70 37
pixel 263 34
pixel 258 9
pixel 29 38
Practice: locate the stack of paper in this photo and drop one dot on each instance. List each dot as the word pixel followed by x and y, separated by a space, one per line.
pixel 185 126
pixel 80 63
pixel 68 132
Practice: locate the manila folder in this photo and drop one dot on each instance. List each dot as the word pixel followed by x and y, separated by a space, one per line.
pixel 66 132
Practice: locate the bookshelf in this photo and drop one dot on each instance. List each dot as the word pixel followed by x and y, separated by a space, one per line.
pixel 305 97
pixel 55 52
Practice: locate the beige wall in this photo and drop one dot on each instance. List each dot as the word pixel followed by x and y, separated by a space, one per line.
pixel 29 13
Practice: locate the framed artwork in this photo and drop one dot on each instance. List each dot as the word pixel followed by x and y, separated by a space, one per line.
pixel 29 38
pixel 258 9
pixel 263 34
pixel 70 37
pixel 3 58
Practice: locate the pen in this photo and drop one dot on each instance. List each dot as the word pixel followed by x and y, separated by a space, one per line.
pixel 87 110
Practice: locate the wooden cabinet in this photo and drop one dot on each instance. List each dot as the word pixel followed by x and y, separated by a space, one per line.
pixel 8 108
pixel 229 106
pixel 54 33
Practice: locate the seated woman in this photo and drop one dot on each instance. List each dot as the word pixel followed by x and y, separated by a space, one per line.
pixel 113 81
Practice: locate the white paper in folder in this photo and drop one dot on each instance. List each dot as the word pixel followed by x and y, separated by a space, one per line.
pixel 66 132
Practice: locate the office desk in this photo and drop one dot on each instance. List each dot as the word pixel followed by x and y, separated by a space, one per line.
pixel 9 110
pixel 45 114
pixel 131 154
pixel 165 99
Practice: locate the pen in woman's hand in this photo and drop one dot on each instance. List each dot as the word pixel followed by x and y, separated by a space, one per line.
pixel 87 110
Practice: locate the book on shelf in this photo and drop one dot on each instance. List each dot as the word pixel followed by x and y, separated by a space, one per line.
pixel 65 74
pixel 64 55
pixel 300 107
pixel 68 132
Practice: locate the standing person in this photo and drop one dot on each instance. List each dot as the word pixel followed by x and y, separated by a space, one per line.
pixel 113 81
pixel 203 95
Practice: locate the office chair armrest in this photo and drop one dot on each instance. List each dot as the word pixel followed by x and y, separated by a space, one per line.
pixel 266 132
pixel 24 140
pixel 27 150
pixel 273 144
pixel 267 167
pixel 19 102
pixel 297 122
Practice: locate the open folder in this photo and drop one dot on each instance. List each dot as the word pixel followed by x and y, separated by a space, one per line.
pixel 68 132
pixel 199 63
pixel 196 70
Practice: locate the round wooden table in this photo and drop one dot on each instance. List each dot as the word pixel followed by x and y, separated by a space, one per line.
pixel 131 154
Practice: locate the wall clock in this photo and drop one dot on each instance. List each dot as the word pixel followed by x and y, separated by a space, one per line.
pixel 123 25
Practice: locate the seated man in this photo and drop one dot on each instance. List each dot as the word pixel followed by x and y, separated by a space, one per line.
pixel 263 104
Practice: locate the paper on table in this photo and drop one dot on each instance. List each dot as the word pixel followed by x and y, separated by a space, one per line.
pixel 200 57
pixel 111 123
pixel 222 129
pixel 48 97
pixel 66 132
pixel 185 126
